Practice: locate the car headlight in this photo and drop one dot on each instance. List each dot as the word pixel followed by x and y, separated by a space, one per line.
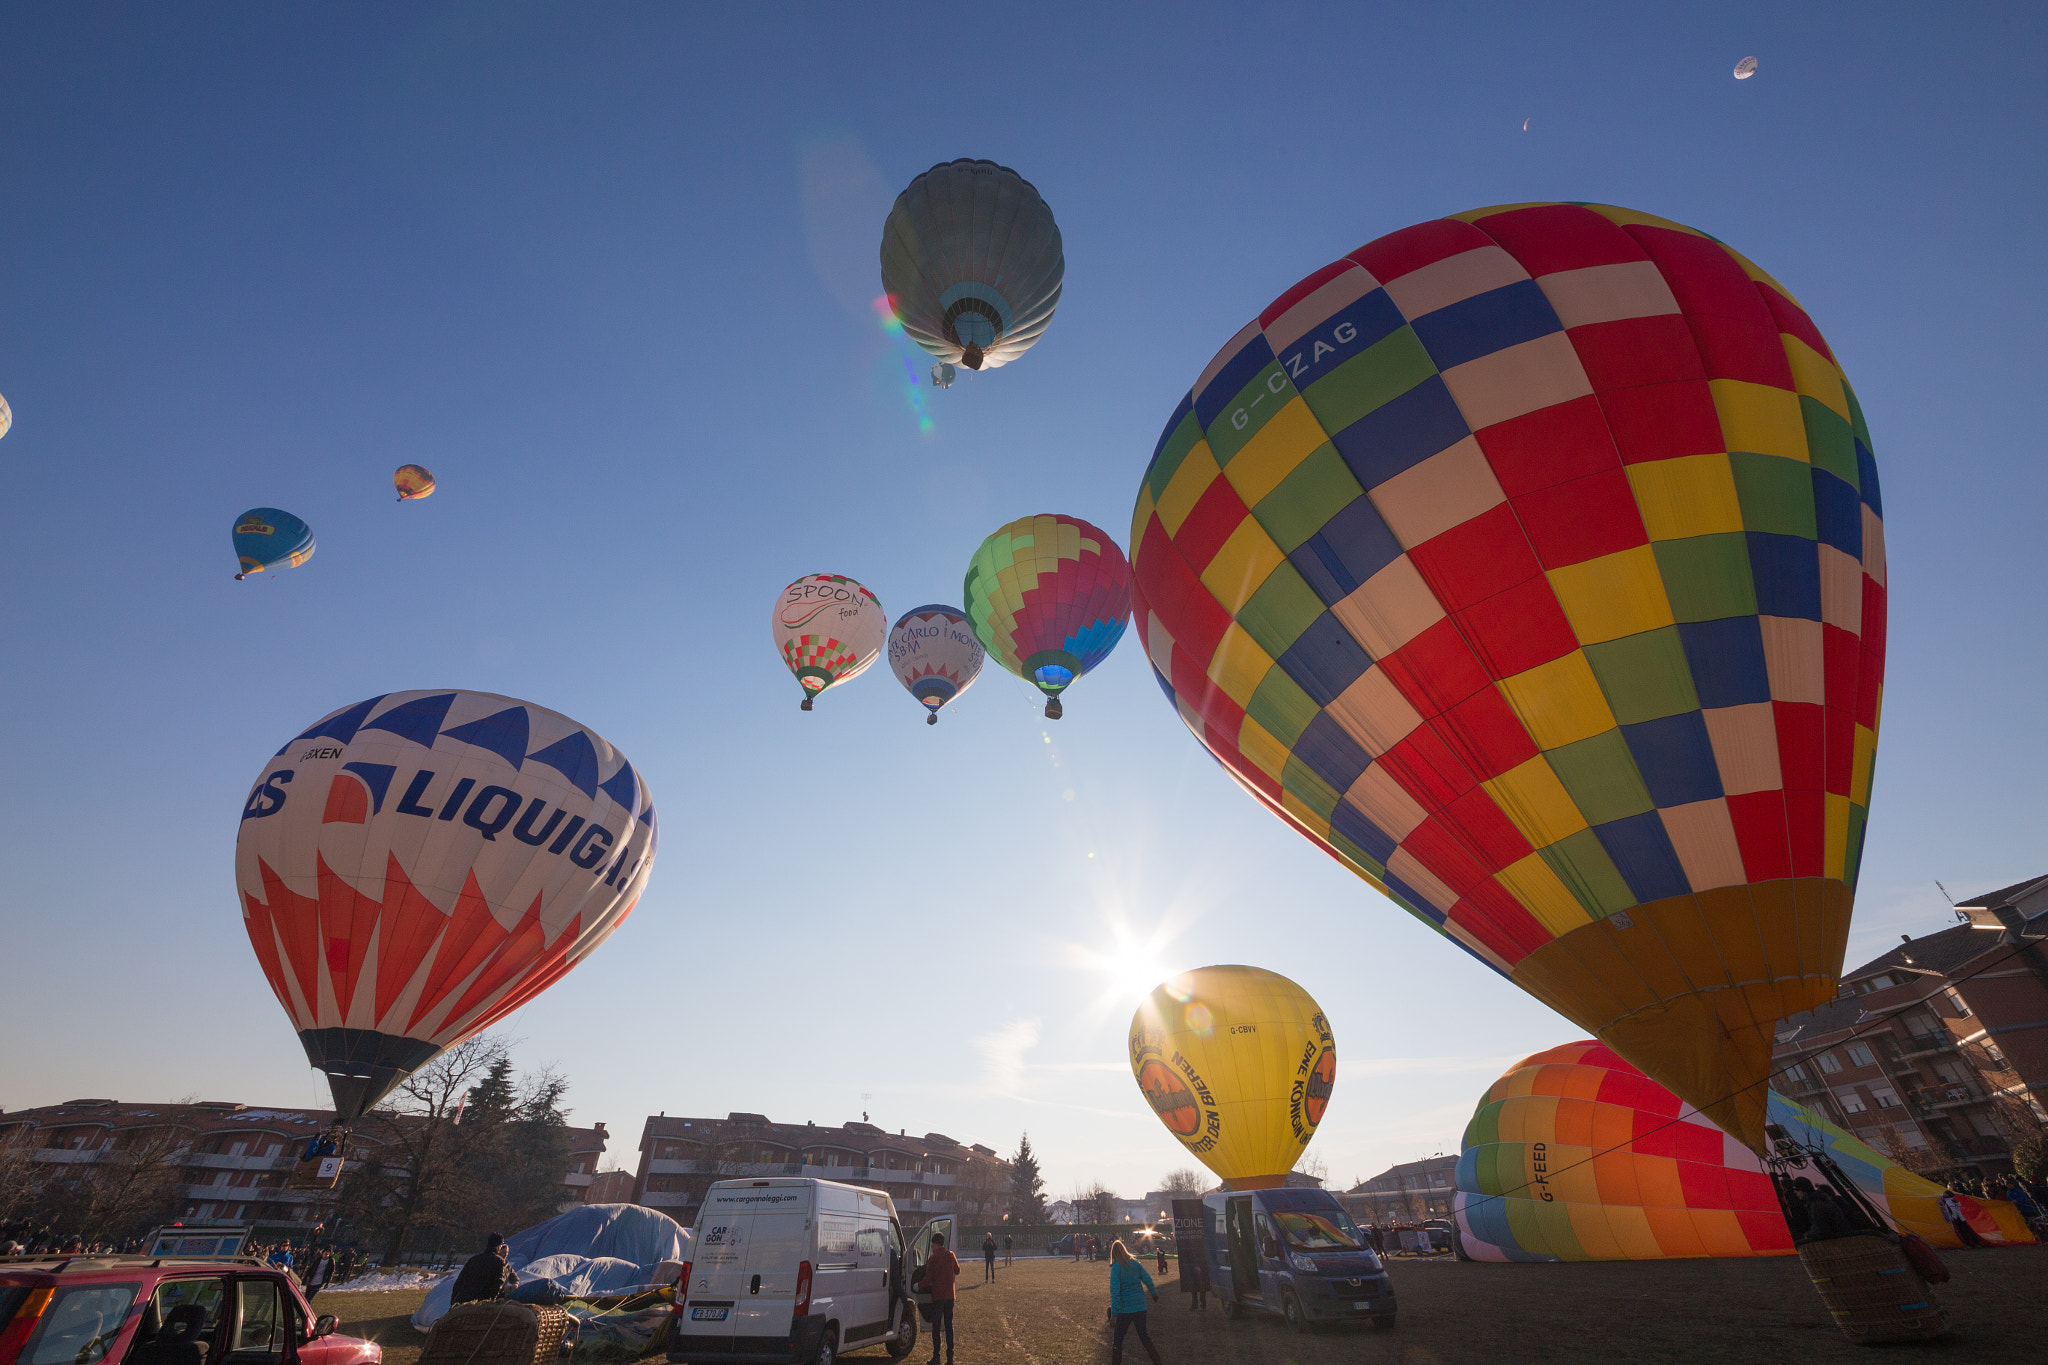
pixel 1301 1262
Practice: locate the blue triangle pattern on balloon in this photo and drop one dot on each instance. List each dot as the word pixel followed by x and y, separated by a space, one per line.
pixel 341 726
pixel 574 757
pixel 418 720
pixel 504 734
pixel 623 787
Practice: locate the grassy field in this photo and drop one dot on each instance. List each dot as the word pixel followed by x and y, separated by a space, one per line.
pixel 1050 1312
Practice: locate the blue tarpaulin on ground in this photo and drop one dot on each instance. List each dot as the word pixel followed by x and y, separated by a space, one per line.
pixel 593 1250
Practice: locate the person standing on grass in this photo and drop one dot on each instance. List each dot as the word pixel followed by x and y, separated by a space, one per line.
pixel 941 1269
pixel 1009 1243
pixel 988 1258
pixel 1952 1210
pixel 1129 1283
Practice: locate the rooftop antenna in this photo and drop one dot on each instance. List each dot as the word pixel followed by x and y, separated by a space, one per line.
pixel 1945 895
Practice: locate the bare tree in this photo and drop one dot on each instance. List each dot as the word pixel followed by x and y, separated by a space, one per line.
pixel 1314 1167
pixel 1094 1202
pixel 134 1186
pixel 21 1177
pixel 1185 1183
pixel 422 1145
pixel 983 1189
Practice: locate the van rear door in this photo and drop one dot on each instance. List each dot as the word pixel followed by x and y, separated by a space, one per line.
pixel 718 1280
pixel 778 1244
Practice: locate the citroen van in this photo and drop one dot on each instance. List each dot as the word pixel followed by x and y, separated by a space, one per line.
pixel 797 1271
pixel 1295 1253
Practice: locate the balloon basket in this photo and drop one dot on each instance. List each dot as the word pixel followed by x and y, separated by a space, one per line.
pixel 932 719
pixel 805 705
pixel 1871 1289
pixel 497 1334
pixel 1053 709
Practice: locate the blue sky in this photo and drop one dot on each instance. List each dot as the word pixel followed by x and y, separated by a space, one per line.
pixel 607 271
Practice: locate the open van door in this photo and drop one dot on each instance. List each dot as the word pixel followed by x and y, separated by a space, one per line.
pixel 1239 1236
pixel 920 1252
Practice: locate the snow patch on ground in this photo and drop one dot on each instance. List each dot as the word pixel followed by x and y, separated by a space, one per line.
pixel 378 1280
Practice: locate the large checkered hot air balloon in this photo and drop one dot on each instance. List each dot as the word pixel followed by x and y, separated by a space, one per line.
pixel 1049 597
pixel 1531 563
pixel 415 867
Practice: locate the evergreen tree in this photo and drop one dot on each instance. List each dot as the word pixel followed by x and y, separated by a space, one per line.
pixel 1027 1187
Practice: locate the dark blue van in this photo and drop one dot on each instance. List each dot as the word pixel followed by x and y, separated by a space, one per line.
pixel 1295 1253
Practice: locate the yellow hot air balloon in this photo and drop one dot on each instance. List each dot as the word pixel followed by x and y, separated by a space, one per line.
pixel 1238 1063
pixel 412 481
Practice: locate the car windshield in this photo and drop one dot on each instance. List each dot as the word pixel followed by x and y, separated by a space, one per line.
pixel 1320 1230
pixel 79 1325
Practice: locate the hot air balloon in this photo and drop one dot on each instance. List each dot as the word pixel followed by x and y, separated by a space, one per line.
pixel 415 867
pixel 6 417
pixel 1238 1063
pixel 935 655
pixel 1049 597
pixel 972 263
pixel 1531 563
pixel 943 375
pixel 1745 68
pixel 413 481
pixel 828 629
pixel 266 538
pixel 1574 1155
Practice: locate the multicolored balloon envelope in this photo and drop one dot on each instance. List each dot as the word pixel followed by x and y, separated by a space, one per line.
pixel 1238 1063
pixel 415 867
pixel 1575 1155
pixel 1531 563
pixel 972 264
pixel 935 656
pixel 6 417
pixel 1049 596
pixel 266 538
pixel 828 629
pixel 412 481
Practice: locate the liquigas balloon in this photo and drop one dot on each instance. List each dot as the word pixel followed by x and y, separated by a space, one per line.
pixel 1049 597
pixel 1238 1063
pixel 415 867
pixel 1574 1155
pixel 413 481
pixel 266 538
pixel 972 264
pixel 935 656
pixel 1531 563
pixel 828 629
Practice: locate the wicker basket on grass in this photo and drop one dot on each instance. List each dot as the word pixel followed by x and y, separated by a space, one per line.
pixel 497 1334
pixel 1871 1289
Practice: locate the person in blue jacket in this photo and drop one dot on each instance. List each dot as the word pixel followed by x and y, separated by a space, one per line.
pixel 1129 1283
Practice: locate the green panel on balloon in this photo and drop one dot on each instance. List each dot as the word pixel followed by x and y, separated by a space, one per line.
pixel 1282 608
pixel 1601 776
pixel 1707 578
pixel 1776 494
pixel 1256 404
pixel 1830 440
pixel 1184 438
pixel 1281 707
pixel 1582 864
pixel 1297 509
pixel 1645 676
pixel 1369 380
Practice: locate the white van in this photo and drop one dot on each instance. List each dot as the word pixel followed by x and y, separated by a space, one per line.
pixel 798 1271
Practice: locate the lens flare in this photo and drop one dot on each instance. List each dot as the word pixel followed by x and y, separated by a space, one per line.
pixel 1200 1021
pixel 910 357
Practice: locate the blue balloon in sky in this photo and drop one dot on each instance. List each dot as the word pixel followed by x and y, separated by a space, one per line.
pixel 266 538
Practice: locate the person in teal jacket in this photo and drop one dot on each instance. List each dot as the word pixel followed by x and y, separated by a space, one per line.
pixel 1129 1283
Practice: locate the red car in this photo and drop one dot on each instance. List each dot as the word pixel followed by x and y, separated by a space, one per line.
pixel 144 1310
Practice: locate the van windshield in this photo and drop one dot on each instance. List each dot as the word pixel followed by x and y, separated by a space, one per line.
pixel 1319 1230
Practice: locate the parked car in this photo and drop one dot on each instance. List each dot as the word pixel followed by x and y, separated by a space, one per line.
pixel 82 1310
pixel 1296 1253
pixel 795 1271
pixel 1061 1246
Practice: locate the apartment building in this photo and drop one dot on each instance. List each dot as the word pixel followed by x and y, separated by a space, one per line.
pixel 925 1176
pixel 1936 1053
pixel 1407 1193
pixel 233 1158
